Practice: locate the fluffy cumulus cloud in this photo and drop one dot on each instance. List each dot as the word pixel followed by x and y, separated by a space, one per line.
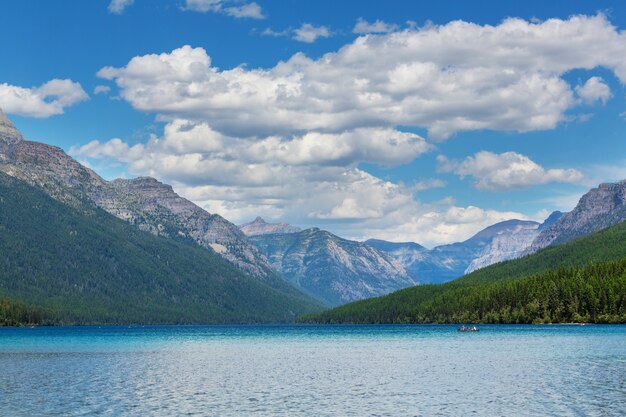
pixel 449 78
pixel 309 33
pixel 363 26
pixel 195 153
pixel 506 171
pixel 118 6
pixel 594 89
pixel 235 9
pixel 287 141
pixel 305 179
pixel 46 100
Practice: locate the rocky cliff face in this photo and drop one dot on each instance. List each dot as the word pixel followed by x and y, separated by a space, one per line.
pixel 260 227
pixel 599 208
pixel 330 268
pixel 145 202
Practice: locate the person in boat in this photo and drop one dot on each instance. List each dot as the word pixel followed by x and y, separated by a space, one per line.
pixel 474 328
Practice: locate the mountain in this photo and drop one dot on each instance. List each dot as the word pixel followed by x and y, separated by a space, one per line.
pixel 144 202
pixel 330 268
pixel 583 280
pixel 601 207
pixel 406 253
pixel 501 241
pixel 260 227
pixel 509 243
pixel 552 218
pixel 9 135
pixel 62 264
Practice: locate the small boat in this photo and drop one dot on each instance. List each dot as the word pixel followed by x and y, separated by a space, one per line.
pixel 468 329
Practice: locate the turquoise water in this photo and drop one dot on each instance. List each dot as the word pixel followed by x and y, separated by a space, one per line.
pixel 313 371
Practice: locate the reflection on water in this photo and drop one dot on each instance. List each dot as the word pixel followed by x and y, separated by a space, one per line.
pixel 313 371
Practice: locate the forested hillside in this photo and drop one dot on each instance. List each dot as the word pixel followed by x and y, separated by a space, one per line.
pixel 66 265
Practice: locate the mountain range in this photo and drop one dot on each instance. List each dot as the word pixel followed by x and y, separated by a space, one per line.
pixel 286 265
pixel 332 269
pixel 581 281
pixel 499 242
pixel 599 208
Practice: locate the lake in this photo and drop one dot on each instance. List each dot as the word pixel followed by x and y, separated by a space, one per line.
pixel 286 370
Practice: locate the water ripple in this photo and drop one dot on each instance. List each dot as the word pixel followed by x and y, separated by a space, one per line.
pixel 313 371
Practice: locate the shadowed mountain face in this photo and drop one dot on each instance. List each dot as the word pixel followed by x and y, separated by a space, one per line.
pixel 144 202
pixel 261 227
pixel 330 268
pixel 601 207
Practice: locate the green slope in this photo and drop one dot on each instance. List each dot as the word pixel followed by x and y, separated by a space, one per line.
pixel 531 289
pixel 86 266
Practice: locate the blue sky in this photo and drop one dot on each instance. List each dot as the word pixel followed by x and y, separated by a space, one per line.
pixel 404 120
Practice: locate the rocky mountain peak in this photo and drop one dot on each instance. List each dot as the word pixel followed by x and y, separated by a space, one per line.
pixel 146 185
pixel 333 269
pixel 260 227
pixel 601 207
pixel 8 132
pixel 552 218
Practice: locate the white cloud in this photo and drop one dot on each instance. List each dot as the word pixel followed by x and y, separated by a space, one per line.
pixel 195 149
pixel 271 32
pixel 455 77
pixel 114 148
pixel 118 6
pixel 247 10
pixel 308 33
pixel 286 141
pixel 506 171
pixel 353 203
pixel 595 89
pixel 250 10
pixel 362 26
pixel 102 89
pixel 429 184
pixel 203 6
pixel 46 100
pixel 303 179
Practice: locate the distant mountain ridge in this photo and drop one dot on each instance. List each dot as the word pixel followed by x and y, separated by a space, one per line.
pixel 510 243
pixel 260 227
pixel 581 281
pixel 144 202
pixel 496 243
pixel 330 268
